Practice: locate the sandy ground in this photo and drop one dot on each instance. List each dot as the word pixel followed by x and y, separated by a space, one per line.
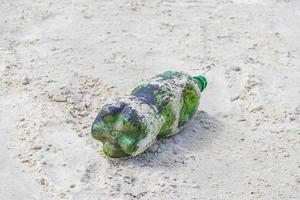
pixel 61 60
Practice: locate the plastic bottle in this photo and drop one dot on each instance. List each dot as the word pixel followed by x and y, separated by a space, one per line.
pixel 160 107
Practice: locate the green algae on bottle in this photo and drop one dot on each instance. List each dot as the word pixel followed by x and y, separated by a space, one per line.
pixel 160 107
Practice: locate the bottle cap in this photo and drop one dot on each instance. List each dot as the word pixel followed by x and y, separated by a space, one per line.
pixel 202 81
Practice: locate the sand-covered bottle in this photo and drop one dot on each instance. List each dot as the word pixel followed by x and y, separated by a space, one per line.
pixel 159 107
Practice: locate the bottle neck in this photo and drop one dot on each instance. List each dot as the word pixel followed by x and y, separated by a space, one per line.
pixel 202 82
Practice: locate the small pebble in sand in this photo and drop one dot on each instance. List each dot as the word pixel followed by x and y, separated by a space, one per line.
pixel 72 185
pixel 236 69
pixel 36 147
pixel 26 81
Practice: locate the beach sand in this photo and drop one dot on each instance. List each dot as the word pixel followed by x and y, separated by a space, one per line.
pixel 61 60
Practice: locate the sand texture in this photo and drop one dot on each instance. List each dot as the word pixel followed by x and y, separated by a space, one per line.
pixel 61 60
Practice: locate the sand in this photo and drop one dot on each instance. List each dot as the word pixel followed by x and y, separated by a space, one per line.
pixel 61 60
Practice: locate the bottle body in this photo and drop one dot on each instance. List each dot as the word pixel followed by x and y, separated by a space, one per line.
pixel 160 107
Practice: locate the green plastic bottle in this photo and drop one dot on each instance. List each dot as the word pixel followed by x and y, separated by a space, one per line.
pixel 160 107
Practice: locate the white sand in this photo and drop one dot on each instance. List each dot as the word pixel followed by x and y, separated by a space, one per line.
pixel 60 60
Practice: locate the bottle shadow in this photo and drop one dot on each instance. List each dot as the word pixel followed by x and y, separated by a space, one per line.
pixel 180 148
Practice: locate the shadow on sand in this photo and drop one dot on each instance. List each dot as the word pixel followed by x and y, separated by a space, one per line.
pixel 180 148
